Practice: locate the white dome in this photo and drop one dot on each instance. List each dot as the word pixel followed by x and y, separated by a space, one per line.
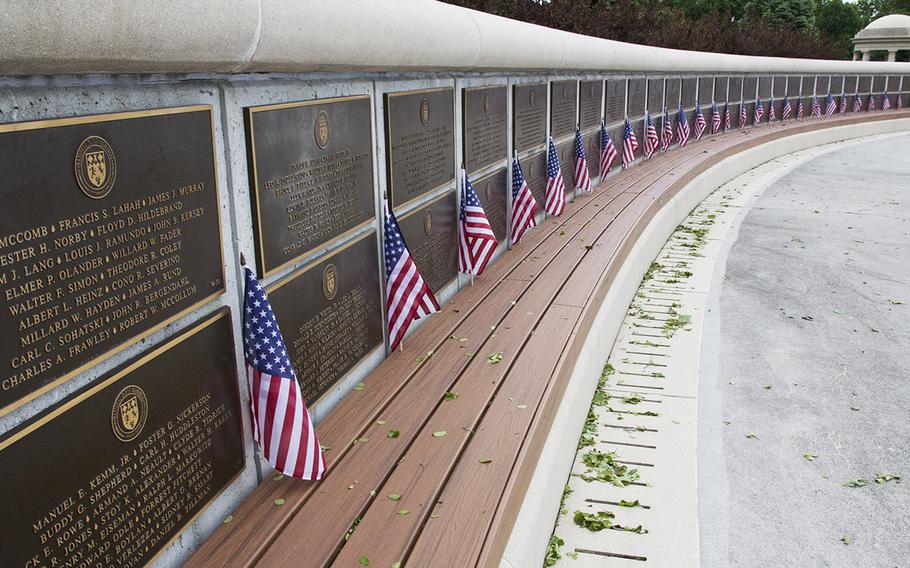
pixel 890 21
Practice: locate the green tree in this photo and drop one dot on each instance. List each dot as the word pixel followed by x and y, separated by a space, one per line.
pixel 873 9
pixel 796 14
pixel 837 22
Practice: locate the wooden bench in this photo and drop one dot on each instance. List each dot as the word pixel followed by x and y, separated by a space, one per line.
pixel 460 491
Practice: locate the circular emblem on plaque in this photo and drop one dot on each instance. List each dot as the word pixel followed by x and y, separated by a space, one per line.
pixel 322 130
pixel 425 112
pixel 428 222
pixel 96 167
pixel 531 98
pixel 330 282
pixel 129 413
pixel 488 191
pixel 486 104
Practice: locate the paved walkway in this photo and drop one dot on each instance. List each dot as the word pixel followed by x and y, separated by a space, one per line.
pixel 805 371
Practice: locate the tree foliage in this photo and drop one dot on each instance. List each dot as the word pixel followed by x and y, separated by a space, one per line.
pixel 837 22
pixel 743 27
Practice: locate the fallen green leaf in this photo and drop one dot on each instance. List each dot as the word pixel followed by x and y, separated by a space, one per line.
pixel 751 436
pixel 403 512
pixel 885 477
pixel 227 520
pixel 810 456
pixel 573 555
pixel 278 477
pixel 494 357
pixel 439 434
pixel 595 522
pixel 394 497
pixel 624 503
pixel 553 555
pixel 359 387
pixel 846 539
pixel 278 501
pixel 856 483
pixel 364 561
pixel 486 460
pixel 393 433
pixel 451 395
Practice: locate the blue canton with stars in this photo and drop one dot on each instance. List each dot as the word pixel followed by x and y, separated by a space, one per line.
pixel 628 132
pixel 263 345
pixel 394 243
pixel 682 115
pixel 518 179
pixel 579 147
pixel 552 161
pixel 469 199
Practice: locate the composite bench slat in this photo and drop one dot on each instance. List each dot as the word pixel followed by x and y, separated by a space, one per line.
pixel 311 526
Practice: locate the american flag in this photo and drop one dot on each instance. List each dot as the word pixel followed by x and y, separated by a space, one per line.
pixel 408 297
pixel 816 110
pixel 830 106
pixel 524 207
pixel 726 116
pixel 872 104
pixel 556 187
pixel 857 103
pixel 682 127
pixel 629 146
pixel 651 139
pixel 281 422
pixel 772 112
pixel 759 111
pixel 476 241
pixel 900 101
pixel 700 123
pixel 843 103
pixel 715 119
pixel 787 111
pixel 608 153
pixel 667 138
pixel 743 117
pixel 886 103
pixel 800 108
pixel 582 178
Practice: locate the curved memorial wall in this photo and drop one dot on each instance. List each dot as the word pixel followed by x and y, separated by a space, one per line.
pixel 141 161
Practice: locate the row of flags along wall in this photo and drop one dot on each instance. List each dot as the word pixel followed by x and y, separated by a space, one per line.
pixel 282 425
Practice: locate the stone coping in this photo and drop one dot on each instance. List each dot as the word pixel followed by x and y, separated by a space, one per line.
pixel 249 36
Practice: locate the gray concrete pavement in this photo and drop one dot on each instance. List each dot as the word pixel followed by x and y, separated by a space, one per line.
pixel 808 348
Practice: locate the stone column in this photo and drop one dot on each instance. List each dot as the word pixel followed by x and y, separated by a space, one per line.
pixel 856 55
pixel 866 55
pixel 892 54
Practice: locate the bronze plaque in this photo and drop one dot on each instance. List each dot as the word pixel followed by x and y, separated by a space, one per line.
pixel 750 112
pixel 492 192
pixel 837 84
pixel 736 89
pixel 764 87
pixel 807 86
pixel 850 84
pixel 878 84
pixel 110 231
pixel 821 84
pixel 431 234
pixel 688 92
pixel 311 175
pixel 792 86
pixel 330 314
pixel 720 89
pixel 750 86
pixel 562 107
pixel 420 142
pixel 637 89
pixel 779 88
pixel 589 103
pixel 705 90
pixel 484 126
pixel 529 109
pixel 865 83
pixel 114 473
pixel 655 95
pixel 672 93
pixel 592 153
pixel 615 104
pixel 566 152
pixel 534 170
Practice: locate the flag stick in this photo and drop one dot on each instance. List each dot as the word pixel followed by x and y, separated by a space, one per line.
pixel 472 277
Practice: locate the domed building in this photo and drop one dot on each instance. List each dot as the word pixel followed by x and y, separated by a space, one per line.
pixel 889 33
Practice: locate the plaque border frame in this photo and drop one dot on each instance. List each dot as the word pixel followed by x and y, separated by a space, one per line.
pixel 133 339
pixel 387 120
pixel 248 114
pixel 464 125
pixel 118 374
pixel 312 264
